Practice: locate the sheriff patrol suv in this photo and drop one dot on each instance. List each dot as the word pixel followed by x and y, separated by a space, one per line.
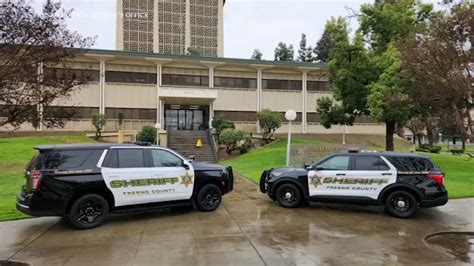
pixel 87 182
pixel 402 182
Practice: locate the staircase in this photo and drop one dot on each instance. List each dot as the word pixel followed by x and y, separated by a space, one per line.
pixel 184 142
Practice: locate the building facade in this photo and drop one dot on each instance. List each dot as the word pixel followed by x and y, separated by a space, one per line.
pixel 186 92
pixel 171 26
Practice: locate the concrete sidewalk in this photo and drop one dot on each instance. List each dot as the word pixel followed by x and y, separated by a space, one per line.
pixel 248 229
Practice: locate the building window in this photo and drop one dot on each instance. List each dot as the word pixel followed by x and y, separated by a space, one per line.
pixel 130 77
pixel 84 75
pixel 76 112
pixel 225 82
pixel 275 84
pixel 319 86
pixel 185 80
pixel 241 116
pixel 131 113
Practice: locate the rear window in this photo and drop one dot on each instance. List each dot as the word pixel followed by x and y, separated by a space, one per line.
pixel 410 164
pixel 64 159
pixel 34 163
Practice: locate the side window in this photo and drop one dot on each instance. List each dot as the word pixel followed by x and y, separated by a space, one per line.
pixel 369 163
pixel 335 163
pixel 410 164
pixel 130 158
pixel 162 158
pixel 57 159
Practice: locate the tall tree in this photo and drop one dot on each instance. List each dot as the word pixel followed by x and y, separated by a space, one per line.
pixel 327 40
pixel 365 74
pixel 305 52
pixel 439 62
pixel 257 55
pixel 29 40
pixel 284 52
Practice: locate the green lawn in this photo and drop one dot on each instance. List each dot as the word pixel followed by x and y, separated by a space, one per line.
pixel 252 164
pixel 14 154
pixel 459 170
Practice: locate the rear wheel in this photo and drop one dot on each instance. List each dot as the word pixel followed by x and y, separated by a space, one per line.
pixel 401 204
pixel 89 211
pixel 289 196
pixel 209 198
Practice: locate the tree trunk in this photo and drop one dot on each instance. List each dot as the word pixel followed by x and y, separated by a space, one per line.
pixel 419 140
pixel 463 144
pixel 389 131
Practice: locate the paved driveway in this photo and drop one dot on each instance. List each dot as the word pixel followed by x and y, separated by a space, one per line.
pixel 248 229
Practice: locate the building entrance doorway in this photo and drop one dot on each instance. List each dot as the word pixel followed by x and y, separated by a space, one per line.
pixel 181 117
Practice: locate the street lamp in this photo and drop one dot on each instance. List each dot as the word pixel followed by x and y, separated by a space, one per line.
pixel 158 128
pixel 290 115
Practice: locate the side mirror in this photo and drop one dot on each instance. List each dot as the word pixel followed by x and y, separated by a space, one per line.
pixel 191 158
pixel 186 165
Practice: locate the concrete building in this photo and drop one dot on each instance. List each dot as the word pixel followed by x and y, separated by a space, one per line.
pixel 184 92
pixel 171 26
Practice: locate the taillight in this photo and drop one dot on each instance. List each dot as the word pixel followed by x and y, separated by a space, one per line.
pixel 439 178
pixel 35 179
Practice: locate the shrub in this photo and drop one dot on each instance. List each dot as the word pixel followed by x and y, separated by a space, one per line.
pixel 219 123
pixel 425 147
pixel 99 121
pixel 231 138
pixel 147 134
pixel 269 121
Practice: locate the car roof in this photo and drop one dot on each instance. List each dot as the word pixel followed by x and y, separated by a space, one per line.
pixel 90 146
pixel 385 154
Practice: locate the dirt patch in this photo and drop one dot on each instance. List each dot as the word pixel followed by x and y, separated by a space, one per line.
pixel 459 245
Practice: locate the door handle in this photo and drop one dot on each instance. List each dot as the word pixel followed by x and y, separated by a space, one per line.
pixel 340 174
pixel 386 173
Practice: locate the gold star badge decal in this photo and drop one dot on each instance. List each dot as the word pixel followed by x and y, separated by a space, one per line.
pixel 186 179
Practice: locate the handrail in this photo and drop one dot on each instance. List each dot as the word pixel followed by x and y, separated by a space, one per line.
pixel 214 145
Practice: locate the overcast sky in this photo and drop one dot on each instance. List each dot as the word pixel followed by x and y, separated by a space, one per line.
pixel 248 24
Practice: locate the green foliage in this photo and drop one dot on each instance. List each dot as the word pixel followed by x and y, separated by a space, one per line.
pixel 365 78
pixel 387 99
pixel 99 121
pixel 231 138
pixel 284 52
pixel 257 55
pixel 332 113
pixel 147 134
pixel 219 123
pixel 269 121
pixel 305 53
pixel 120 120
pixel 328 39
pixel 426 147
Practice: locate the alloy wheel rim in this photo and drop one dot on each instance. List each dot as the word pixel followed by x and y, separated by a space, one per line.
pixel 401 204
pixel 288 196
pixel 211 198
pixel 89 212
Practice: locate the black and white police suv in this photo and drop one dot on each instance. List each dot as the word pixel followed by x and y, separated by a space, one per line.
pixel 87 182
pixel 400 181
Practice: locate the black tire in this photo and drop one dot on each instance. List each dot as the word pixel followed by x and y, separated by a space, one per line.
pixel 209 198
pixel 89 211
pixel 401 204
pixel 289 196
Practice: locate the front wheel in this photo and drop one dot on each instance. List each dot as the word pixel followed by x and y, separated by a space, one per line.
pixel 289 196
pixel 89 211
pixel 401 204
pixel 209 198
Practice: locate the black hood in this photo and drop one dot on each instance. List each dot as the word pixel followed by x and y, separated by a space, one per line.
pixel 200 166
pixel 290 171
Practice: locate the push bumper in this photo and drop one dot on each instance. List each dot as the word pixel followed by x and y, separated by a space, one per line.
pixel 23 204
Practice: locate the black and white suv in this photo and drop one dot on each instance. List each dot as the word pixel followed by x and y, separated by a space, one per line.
pixel 87 182
pixel 400 181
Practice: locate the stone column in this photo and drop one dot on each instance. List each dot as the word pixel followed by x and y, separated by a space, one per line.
pixel 102 86
pixel 159 82
pixel 304 87
pixel 259 69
